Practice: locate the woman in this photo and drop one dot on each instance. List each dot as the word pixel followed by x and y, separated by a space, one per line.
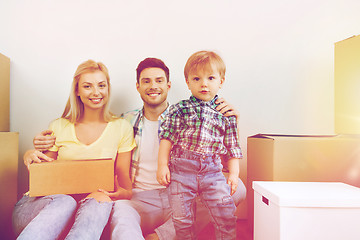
pixel 87 129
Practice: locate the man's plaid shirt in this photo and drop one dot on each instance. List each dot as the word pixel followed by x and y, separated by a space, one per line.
pixel 195 125
pixel 136 118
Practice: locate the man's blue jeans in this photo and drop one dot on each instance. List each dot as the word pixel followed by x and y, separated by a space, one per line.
pixel 194 174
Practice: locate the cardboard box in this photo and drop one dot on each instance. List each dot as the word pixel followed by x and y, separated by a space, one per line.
pixel 9 152
pixel 4 93
pixel 71 177
pixel 303 159
pixel 306 210
pixel 347 86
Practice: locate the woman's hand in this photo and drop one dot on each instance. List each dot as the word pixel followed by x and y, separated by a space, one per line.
pixel 227 109
pixel 36 156
pixel 120 193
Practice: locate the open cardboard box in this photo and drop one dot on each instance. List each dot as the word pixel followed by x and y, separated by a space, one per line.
pixel 71 177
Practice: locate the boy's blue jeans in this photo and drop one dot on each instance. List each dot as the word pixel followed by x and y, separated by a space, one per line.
pixel 195 174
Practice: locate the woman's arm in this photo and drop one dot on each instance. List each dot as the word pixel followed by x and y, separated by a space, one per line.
pixel 122 179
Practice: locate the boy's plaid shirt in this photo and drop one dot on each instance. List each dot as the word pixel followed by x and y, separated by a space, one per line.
pixel 136 118
pixel 195 125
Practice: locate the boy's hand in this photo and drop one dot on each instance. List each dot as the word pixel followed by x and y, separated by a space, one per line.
pixel 163 175
pixel 44 141
pixel 233 183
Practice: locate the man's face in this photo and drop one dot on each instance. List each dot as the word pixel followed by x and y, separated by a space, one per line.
pixel 153 86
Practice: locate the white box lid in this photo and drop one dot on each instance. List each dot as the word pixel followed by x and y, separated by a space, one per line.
pixel 309 194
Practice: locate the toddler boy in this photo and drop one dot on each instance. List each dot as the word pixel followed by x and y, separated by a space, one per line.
pixel 195 137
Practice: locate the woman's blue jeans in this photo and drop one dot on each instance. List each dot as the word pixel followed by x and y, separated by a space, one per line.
pixel 49 217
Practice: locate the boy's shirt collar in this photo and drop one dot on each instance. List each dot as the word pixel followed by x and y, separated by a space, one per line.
pixel 210 103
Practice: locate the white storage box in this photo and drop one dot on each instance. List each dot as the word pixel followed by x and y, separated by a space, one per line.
pixel 306 211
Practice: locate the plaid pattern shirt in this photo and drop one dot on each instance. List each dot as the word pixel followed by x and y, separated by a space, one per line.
pixel 136 118
pixel 195 125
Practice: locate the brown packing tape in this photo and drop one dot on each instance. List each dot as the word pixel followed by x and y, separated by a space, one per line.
pixel 71 177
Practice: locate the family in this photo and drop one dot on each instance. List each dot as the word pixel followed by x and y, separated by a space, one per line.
pixel 169 160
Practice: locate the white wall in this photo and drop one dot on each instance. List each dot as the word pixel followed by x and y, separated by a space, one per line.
pixel 279 55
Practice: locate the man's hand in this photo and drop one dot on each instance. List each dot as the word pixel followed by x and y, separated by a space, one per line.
pixel 44 141
pixel 233 183
pixel 36 156
pixel 163 175
pixel 226 109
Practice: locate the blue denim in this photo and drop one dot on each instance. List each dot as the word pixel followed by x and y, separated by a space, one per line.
pixel 42 217
pixel 48 217
pixel 146 211
pixel 90 220
pixel 194 174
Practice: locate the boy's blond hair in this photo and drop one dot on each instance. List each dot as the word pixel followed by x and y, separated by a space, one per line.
pixel 204 60
pixel 74 108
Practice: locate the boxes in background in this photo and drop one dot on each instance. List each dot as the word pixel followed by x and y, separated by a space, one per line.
pixel 347 86
pixel 9 152
pixel 302 159
pixel 306 210
pixel 71 177
pixel 4 93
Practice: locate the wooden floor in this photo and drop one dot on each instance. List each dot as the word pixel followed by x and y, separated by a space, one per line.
pixel 242 229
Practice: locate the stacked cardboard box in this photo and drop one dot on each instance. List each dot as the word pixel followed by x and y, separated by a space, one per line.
pixel 302 159
pixel 316 158
pixel 4 93
pixel 9 142
pixel 347 86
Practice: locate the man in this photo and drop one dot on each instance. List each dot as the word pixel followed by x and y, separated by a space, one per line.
pixel 148 212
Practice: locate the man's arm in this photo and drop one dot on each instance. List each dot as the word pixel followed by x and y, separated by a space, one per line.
pixel 44 140
pixel 163 172
pixel 228 110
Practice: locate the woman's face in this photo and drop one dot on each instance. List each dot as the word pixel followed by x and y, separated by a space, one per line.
pixel 93 90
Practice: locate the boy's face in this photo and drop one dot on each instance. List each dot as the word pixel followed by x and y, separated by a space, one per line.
pixel 153 86
pixel 204 83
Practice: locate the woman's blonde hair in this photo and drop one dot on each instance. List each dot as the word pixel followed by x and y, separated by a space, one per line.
pixel 74 108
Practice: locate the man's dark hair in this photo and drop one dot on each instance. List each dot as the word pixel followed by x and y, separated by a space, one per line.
pixel 151 63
